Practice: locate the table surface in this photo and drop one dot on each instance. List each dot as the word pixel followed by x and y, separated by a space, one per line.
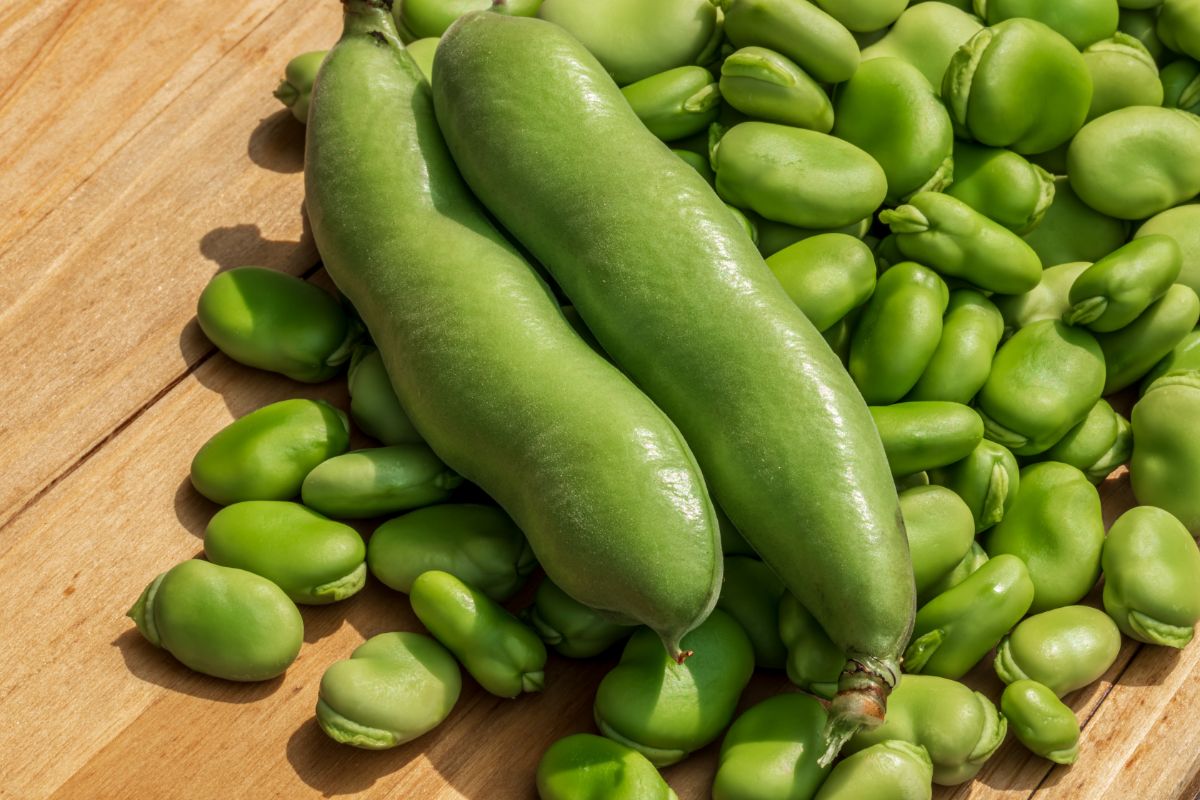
pixel 142 152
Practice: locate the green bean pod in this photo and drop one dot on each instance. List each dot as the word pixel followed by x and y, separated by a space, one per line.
pixel 1115 290
pixel 1001 185
pixel 1040 721
pixel 393 688
pixel 813 661
pixel 795 452
pixel 677 103
pixel 312 558
pixel 266 454
pixel 987 481
pixel 374 406
pixel 1165 465
pixel 1132 351
pixel 1134 162
pixel 892 113
pixel 972 328
pixel 898 332
pixel 771 750
pixel 751 596
pixel 502 653
pixel 940 531
pixel 924 434
pixel 1123 74
pixel 958 727
pixel 797 176
pixel 221 621
pixel 1064 648
pixel 1044 381
pixel 956 240
pixel 586 766
pixel 570 627
pixel 800 30
pixel 927 35
pixel 1050 299
pixel 422 52
pixel 893 770
pixel 827 276
pixel 477 544
pixel 665 710
pixel 766 85
pixel 481 356
pixel 1152 577
pixel 1071 230
pixel 956 629
pixel 1089 442
pixel 997 90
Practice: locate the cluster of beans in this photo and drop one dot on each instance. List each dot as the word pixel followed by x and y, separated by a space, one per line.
pixel 988 215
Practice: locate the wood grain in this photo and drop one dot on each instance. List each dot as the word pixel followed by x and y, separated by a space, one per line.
pixel 142 152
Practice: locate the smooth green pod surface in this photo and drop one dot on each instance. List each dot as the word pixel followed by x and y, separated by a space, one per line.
pixel 751 595
pixel 999 94
pixel 956 240
pixel 676 103
pixel 1152 577
pixel 221 621
pixel 796 452
pixel 1132 351
pixel 506 393
pixel 1184 357
pixel 958 727
pixel 1179 26
pixel 892 770
pixel 1050 299
pixel 1182 224
pixel 797 176
pixel 378 481
pixel 1040 721
pixel 1055 527
pixel 1082 22
pixel 634 40
pixel 926 35
pixel 1064 648
pixel 295 89
pixel 422 52
pixel 266 454
pixel 1123 74
pixel 570 627
pixel 924 434
pixel 374 406
pixel 813 661
pixel 503 654
pixel 890 111
pixel 1087 444
pixel 971 331
pixel 665 710
pixel 1134 162
pixel 1111 293
pixel 425 18
pixel 975 558
pixel 393 688
pixel 956 629
pixel 311 557
pixel 769 86
pixel 864 15
pixel 986 480
pixel 827 276
pixel 588 767
pixel 1001 185
pixel 1072 231
pixel 1165 465
pixel 898 332
pixel 1044 380
pixel 940 531
pixel 771 750
pixel 477 544
pixel 797 28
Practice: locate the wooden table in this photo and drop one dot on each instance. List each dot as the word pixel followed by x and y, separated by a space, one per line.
pixel 140 153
